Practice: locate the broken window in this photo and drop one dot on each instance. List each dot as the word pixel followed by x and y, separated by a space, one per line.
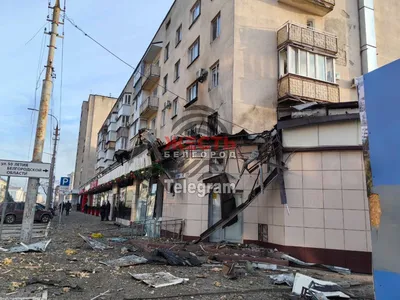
pixel 217 161
pixel 212 121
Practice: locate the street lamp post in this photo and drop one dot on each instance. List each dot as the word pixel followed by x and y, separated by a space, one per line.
pixel 49 197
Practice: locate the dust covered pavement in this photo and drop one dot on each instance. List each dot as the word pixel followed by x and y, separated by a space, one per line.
pixel 71 269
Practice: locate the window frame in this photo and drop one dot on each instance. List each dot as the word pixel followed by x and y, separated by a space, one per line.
pixel 188 93
pixel 178 35
pixel 127 95
pixel 293 55
pixel 165 84
pixel 177 70
pixel 191 47
pixel 212 68
pixel 174 107
pixel 217 21
pixel 163 117
pixel 192 10
pixel 166 52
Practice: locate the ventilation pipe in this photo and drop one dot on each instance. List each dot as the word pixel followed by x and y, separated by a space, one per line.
pixel 366 16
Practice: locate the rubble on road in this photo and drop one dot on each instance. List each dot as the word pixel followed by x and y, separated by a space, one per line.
pixel 125 261
pixel 117 240
pixel 175 259
pixel 296 261
pixel 307 286
pixel 35 247
pixel 96 235
pixel 282 279
pixel 96 245
pixel 160 279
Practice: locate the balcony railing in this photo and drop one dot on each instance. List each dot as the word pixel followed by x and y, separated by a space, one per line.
pixel 122 132
pixel 316 7
pixel 110 145
pixel 124 110
pixel 293 86
pixel 111 137
pixel 151 76
pixel 112 126
pixel 100 164
pixel 291 33
pixel 110 154
pixel 101 154
pixel 149 106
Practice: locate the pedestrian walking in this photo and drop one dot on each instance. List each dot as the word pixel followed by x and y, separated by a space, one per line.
pixel 108 209
pixel 85 208
pixel 103 209
pixel 67 207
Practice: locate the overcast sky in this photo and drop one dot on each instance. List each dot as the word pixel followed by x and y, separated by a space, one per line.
pixel 125 26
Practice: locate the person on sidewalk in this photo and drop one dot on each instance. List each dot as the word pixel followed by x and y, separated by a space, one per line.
pixel 108 209
pixel 103 209
pixel 67 207
pixel 85 208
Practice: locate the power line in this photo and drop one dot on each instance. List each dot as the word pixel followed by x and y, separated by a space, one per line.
pixel 35 34
pixel 141 73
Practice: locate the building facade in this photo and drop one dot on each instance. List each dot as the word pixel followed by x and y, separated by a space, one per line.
pixel 93 113
pixel 236 68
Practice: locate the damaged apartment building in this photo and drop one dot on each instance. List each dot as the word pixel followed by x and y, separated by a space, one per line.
pixel 241 124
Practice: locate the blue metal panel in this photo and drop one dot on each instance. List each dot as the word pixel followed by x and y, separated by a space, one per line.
pixel 382 101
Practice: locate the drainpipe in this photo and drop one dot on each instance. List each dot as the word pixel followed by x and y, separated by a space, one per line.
pixel 366 15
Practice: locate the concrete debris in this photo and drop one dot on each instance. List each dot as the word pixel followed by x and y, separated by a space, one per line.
pixel 296 261
pixel 96 245
pixel 260 266
pixel 125 261
pixel 43 297
pixel 96 235
pixel 174 259
pixel 160 279
pixel 70 252
pixel 307 286
pixel 100 295
pixel 282 279
pixel 36 247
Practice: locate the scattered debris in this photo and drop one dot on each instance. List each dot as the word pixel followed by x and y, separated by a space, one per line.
pixel 125 261
pixel 16 285
pixel 173 259
pixel 217 283
pixel 66 289
pixel 70 252
pixel 202 276
pixel 79 274
pixel 102 294
pixel 294 260
pixel 261 266
pixel 304 284
pixel 117 240
pixel 96 245
pixel 282 279
pixel 45 281
pixel 229 271
pixel 7 261
pixel 97 235
pixel 160 279
pixel 36 247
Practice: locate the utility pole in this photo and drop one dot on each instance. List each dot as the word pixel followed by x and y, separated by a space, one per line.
pixel 49 198
pixel 5 202
pixel 33 183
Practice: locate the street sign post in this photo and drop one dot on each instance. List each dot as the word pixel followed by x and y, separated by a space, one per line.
pixel 64 187
pixel 15 168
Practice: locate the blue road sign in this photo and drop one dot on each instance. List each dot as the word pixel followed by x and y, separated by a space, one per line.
pixel 65 181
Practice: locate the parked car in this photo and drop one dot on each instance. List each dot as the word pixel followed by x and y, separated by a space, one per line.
pixel 15 212
pixel 53 212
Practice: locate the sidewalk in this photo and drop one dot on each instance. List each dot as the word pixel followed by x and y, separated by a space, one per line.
pixel 81 276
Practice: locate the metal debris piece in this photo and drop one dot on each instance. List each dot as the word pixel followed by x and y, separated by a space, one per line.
pixel 327 288
pixel 261 266
pixel 282 279
pixel 160 279
pixel 229 271
pixel 339 270
pixel 96 245
pixel 36 247
pixel 181 259
pixel 117 240
pixel 43 297
pixel 125 261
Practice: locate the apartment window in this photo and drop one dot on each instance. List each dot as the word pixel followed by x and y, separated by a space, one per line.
pixel 125 120
pixel 153 124
pixel 165 86
pixel 195 12
pixel 192 92
pixel 216 27
pixel 214 75
pixel 178 36
pixel 194 50
pixel 212 121
pixel 175 107
pixel 155 92
pixel 163 117
pixel 124 142
pixel 310 24
pixel 176 73
pixel 134 126
pixel 127 99
pixel 166 53
pixel 304 63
